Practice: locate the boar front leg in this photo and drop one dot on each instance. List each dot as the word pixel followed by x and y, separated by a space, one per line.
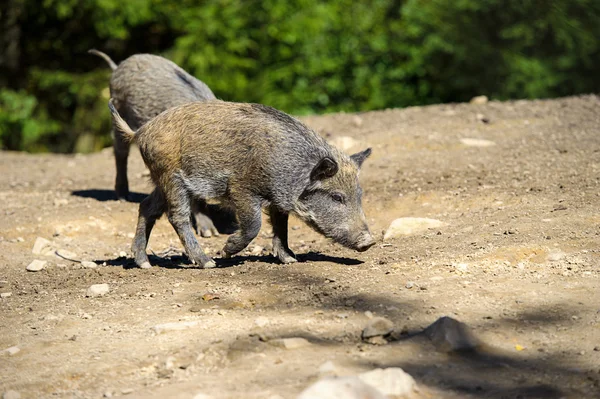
pixel 179 216
pixel 247 209
pixel 279 221
pixel 202 223
pixel 151 208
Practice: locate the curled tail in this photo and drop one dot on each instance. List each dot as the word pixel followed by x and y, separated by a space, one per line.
pixel 106 58
pixel 120 125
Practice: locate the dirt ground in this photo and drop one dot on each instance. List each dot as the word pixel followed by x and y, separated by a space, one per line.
pixel 517 259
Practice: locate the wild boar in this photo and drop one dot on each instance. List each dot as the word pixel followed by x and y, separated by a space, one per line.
pixel 248 157
pixel 142 87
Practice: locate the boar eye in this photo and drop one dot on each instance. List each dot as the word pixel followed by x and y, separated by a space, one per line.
pixel 337 197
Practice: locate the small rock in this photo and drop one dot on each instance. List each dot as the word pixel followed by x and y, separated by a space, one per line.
pixel 175 326
pixel 36 265
pixel 479 100
pixel 378 340
pixel 482 118
pixel 378 326
pixel 42 247
pixel 477 142
pixel 20 239
pixel 60 201
pixel 261 321
pixel 410 225
pixel 11 395
pixel 344 143
pixel 6 295
pixel 123 254
pixel 556 256
pixel 357 120
pixel 290 343
pixel 450 335
pixel 461 267
pixel 89 265
pixel 126 391
pixel 256 250
pixel 340 388
pixel 392 381
pixel 328 369
pixel 597 348
pixel 13 350
pixel 66 254
pixel 409 284
pixel 97 290
pixel 107 394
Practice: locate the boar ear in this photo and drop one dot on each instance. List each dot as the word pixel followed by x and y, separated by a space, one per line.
pixel 360 157
pixel 326 167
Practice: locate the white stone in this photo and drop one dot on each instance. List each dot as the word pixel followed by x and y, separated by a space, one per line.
pixel 261 321
pixel 6 295
pixel 378 326
pixel 97 290
pixel 344 143
pixel 477 142
pixel 411 225
pixel 479 100
pixel 123 254
pixel 461 267
pixel 89 265
pixel 175 326
pixel 36 265
pixel 13 350
pixel 556 256
pixel 392 381
pixel 290 343
pixel 42 247
pixel 340 388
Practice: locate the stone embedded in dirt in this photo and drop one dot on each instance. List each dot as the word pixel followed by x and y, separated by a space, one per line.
pixel 42 247
pixel 450 335
pixel 556 256
pixel 11 395
pixel 123 254
pixel 378 326
pixel 290 343
pixel 175 326
pixel 13 350
pixel 392 381
pixel 477 142
pixel 341 388
pixel 5 294
pixel 409 284
pixel 66 254
pixel 256 250
pixel 479 100
pixel 97 290
pixel 482 118
pixel 344 143
pixel 409 225
pixel 89 265
pixel 36 265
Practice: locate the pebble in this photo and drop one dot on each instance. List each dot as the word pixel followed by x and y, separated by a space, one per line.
pixel 556 256
pixel 89 265
pixel 470 142
pixel 6 295
pixel 123 254
pixel 11 395
pixel 410 225
pixel 479 100
pixel 392 381
pixel 461 267
pixel 378 326
pixel 13 350
pixel 97 290
pixel 36 265
pixel 450 335
pixel 256 250
pixel 328 369
pixel 42 247
pixel 409 284
pixel 66 254
pixel 290 343
pixel 175 326
pixel 126 391
pixel 340 388
pixel 261 321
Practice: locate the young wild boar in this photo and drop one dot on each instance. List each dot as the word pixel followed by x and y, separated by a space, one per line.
pixel 247 156
pixel 142 87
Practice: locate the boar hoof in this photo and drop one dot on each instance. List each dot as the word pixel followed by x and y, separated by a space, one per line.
pixel 287 259
pixel 146 265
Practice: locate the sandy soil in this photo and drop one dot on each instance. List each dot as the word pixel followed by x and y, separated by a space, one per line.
pixel 517 260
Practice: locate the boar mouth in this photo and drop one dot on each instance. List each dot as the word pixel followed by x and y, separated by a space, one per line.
pixel 364 242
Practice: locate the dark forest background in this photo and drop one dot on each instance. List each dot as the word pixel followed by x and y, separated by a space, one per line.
pixel 301 56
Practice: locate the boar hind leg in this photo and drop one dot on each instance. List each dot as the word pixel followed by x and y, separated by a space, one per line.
pixel 121 150
pixel 247 209
pixel 151 208
pixel 279 221
pixel 179 215
pixel 201 222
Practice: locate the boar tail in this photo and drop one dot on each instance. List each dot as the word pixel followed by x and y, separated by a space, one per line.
pixel 106 58
pixel 121 127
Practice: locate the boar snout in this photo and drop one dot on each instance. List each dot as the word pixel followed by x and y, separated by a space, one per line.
pixel 365 241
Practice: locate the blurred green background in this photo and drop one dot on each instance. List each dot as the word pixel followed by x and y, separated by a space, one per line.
pixel 301 56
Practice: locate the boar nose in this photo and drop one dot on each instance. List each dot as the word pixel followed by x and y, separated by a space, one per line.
pixel 365 241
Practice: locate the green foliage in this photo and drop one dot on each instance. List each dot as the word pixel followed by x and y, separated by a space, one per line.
pixel 301 56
